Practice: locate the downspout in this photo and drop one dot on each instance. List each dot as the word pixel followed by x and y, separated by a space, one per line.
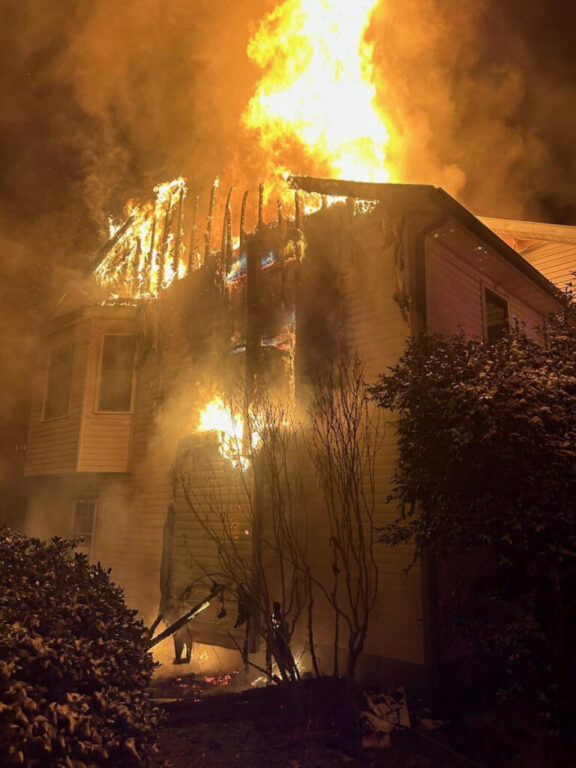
pixel 419 227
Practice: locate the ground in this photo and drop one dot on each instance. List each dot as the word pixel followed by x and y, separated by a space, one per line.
pixel 211 722
pixel 311 725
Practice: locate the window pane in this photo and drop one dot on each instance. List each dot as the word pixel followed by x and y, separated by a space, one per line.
pixel 83 518
pixel 59 382
pixel 116 373
pixel 496 316
pixel 84 512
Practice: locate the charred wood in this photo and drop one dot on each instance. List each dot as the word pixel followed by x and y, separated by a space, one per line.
pixel 178 238
pixel 164 242
pixel 243 220
pixel 193 235
pixel 216 590
pixel 116 237
pixel 225 243
pixel 260 206
pixel 209 222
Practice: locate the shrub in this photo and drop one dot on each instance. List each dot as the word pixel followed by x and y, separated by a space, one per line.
pixel 486 478
pixel 74 669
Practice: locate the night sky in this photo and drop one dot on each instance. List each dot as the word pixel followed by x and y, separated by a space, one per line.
pixel 102 100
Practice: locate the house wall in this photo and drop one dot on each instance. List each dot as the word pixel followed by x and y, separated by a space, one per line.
pixel 84 440
pixel 105 438
pixel 170 388
pixel 163 396
pixel 53 445
pixel 555 260
pixel 352 295
pixel 371 273
pixel 84 455
pixel 455 291
pixel 50 510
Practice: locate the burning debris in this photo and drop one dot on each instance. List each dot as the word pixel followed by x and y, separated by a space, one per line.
pixel 232 432
pixel 146 253
pixel 315 108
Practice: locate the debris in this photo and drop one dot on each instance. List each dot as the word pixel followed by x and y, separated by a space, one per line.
pixel 384 713
pixel 428 724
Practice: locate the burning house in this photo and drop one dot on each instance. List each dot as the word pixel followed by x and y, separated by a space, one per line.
pixel 145 421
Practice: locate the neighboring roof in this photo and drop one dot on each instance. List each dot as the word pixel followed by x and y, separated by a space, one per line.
pixel 551 248
pixel 425 196
pixel 532 230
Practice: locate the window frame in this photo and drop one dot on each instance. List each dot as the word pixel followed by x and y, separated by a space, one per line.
pixel 70 341
pixel 499 299
pixel 92 534
pixel 98 388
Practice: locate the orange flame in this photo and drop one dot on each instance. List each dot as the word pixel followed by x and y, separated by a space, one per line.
pixel 144 260
pixel 317 90
pixel 219 417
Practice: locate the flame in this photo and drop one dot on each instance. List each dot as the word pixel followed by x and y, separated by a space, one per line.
pixel 317 90
pixel 219 417
pixel 144 260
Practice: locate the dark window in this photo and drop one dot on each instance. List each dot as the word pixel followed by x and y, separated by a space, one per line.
pixel 57 400
pixel 496 316
pixel 84 518
pixel 115 392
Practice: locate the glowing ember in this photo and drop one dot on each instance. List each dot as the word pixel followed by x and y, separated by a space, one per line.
pixel 218 417
pixel 149 251
pixel 318 88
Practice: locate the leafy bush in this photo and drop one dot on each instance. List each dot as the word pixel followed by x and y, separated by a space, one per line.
pixel 74 669
pixel 487 479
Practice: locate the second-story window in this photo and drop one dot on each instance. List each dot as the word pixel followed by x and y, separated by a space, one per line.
pixel 496 316
pixel 116 373
pixel 59 382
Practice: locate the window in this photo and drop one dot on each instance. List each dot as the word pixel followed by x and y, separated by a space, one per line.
pixel 84 520
pixel 115 391
pixel 59 383
pixel 496 316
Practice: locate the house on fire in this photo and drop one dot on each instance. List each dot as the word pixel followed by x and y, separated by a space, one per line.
pixel 121 382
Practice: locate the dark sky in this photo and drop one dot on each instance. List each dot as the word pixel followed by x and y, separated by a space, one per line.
pixel 101 100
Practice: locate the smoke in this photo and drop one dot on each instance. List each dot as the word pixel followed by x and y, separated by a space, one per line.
pixel 482 101
pixel 103 100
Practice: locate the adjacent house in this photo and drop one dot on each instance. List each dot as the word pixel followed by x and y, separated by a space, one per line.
pixel 122 383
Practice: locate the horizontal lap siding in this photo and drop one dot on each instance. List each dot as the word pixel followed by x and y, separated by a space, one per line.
pixel 53 445
pixel 557 261
pixel 524 316
pixel 161 416
pixel 51 504
pixel 195 554
pixel 105 437
pixel 376 330
pixel 455 297
pixel 453 294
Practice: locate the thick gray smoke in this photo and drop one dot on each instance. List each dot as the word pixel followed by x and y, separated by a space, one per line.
pixel 101 100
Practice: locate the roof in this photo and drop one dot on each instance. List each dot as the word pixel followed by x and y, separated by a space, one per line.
pixel 551 248
pixel 426 197
pixel 532 230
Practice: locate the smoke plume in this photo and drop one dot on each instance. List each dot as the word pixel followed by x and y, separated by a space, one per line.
pixel 103 100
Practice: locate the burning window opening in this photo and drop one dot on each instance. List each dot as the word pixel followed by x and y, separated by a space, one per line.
pixel 236 443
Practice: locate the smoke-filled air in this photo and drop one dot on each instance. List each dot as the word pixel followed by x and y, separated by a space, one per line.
pixel 102 103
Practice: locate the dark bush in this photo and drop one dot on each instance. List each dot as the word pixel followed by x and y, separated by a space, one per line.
pixel 74 670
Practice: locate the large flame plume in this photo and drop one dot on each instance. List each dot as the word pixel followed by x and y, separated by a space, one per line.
pixel 317 89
